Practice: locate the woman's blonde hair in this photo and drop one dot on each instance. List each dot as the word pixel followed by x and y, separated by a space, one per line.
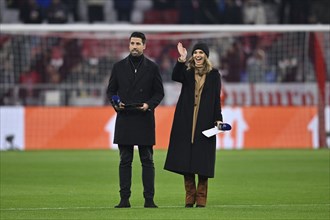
pixel 207 65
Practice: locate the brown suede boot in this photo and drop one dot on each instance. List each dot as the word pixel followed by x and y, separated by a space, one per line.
pixel 190 186
pixel 201 195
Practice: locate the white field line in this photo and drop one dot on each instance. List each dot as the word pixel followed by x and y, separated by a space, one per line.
pixel 138 207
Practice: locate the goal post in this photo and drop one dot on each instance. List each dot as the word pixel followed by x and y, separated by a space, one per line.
pixel 161 28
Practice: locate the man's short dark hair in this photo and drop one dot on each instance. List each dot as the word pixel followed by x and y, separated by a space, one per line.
pixel 139 35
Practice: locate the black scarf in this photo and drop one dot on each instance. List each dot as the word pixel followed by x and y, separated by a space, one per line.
pixel 135 62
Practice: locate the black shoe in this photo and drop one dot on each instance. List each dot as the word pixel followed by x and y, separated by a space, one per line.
pixel 189 205
pixel 149 203
pixel 124 203
pixel 200 206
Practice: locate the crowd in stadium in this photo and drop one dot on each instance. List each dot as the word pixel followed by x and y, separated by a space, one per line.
pixel 63 60
pixel 166 11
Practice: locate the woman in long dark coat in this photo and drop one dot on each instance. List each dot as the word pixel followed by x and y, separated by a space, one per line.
pixel 191 153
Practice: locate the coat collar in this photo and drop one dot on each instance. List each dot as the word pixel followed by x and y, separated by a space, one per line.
pixel 140 72
pixel 207 83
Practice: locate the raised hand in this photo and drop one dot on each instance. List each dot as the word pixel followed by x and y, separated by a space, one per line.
pixel 182 51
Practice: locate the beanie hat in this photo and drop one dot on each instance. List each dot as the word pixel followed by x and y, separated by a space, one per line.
pixel 203 47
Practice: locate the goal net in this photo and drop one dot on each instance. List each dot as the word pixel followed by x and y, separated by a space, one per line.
pixel 261 66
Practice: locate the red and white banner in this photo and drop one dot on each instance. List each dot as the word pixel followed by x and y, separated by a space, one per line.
pixel 40 128
pixel 260 94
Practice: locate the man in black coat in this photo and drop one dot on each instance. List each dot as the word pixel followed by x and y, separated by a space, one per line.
pixel 135 89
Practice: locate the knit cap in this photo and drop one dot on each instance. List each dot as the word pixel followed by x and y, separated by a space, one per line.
pixel 203 47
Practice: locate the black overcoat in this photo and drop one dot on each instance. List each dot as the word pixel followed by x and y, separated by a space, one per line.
pixel 198 157
pixel 136 127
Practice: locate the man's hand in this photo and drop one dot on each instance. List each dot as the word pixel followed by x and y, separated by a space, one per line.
pixel 145 107
pixel 120 107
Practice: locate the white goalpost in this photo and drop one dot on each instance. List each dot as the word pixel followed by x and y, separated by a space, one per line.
pixel 160 28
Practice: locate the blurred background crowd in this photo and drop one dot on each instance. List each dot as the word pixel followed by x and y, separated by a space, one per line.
pixel 166 11
pixel 81 63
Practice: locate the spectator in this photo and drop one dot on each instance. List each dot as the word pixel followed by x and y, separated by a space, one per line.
pixel 93 77
pixel 208 12
pixel 230 12
pixel 57 13
pixel 31 13
pixel 140 9
pixel 254 12
pixel 186 12
pixel 57 57
pixel 44 5
pixel 164 58
pixel 294 11
pixel 214 57
pixel 72 55
pixel 95 9
pixel 29 94
pixel 13 4
pixel 319 12
pixel 164 4
pixel 75 74
pixel 166 65
pixel 256 66
pixel 235 61
pixel 288 69
pixel 123 9
pixel 52 75
pixel 73 8
pixel 42 59
pixel 7 79
pixel 84 73
pixel 6 72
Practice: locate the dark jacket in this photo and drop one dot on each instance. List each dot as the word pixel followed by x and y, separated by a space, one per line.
pixel 136 127
pixel 183 156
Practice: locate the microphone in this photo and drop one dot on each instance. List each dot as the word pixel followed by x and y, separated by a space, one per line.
pixel 217 129
pixel 224 127
pixel 115 100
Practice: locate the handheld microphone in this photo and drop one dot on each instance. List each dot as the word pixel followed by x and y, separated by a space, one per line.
pixel 224 127
pixel 115 100
pixel 217 129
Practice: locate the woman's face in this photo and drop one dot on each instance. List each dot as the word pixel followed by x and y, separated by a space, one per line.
pixel 199 57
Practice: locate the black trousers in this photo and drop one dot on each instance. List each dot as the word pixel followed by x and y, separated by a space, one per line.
pixel 125 170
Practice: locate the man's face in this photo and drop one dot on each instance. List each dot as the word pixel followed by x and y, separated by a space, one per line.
pixel 136 47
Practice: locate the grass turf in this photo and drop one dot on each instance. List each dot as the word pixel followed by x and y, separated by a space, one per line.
pixel 249 184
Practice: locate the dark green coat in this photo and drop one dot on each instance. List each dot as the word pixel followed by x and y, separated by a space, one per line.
pixel 199 157
pixel 136 127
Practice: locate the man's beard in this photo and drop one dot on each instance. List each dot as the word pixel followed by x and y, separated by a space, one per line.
pixel 135 53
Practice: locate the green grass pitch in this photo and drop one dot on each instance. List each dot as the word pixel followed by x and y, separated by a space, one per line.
pixel 249 184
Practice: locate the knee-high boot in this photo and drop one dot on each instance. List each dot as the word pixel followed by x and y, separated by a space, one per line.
pixel 190 186
pixel 201 195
